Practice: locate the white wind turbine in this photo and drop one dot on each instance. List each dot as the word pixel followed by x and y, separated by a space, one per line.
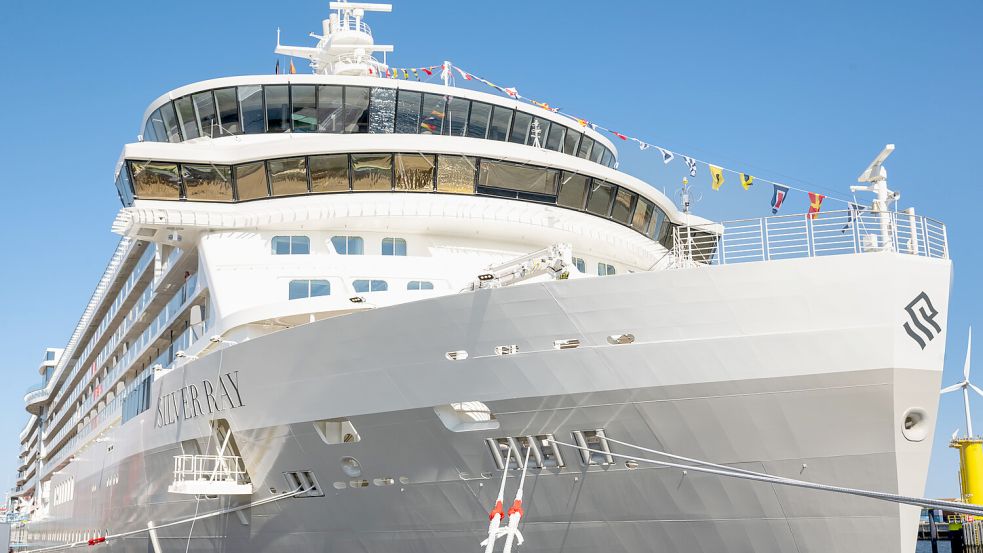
pixel 965 385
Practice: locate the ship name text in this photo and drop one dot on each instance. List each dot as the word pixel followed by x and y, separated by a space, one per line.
pixel 193 400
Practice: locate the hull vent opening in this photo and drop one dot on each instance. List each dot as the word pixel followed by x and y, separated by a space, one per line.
pixel 467 416
pixel 303 480
pixel 543 452
pixel 507 350
pixel 337 431
pixel 596 440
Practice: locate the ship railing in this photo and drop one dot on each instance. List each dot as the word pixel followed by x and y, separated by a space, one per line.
pixel 210 468
pixel 351 24
pixel 808 235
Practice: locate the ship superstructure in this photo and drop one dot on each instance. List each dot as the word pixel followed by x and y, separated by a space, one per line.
pixel 343 305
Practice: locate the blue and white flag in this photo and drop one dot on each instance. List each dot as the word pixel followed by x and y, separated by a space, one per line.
pixel 642 145
pixel 778 197
pixel 666 155
pixel 691 163
pixel 855 210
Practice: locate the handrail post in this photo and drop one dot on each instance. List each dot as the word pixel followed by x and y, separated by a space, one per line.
pixel 721 251
pixel 809 238
pixel 763 225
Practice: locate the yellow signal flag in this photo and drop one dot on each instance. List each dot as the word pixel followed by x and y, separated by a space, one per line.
pixel 718 177
pixel 747 181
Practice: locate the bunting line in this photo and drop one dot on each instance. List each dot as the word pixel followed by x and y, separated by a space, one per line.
pixel 716 171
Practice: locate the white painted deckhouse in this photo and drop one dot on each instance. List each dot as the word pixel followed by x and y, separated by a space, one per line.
pixel 344 305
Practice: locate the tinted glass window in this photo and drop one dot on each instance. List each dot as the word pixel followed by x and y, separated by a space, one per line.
pixel 169 117
pixel 228 111
pixel 544 129
pixel 149 132
pixel 299 289
pixel 478 120
pixel 207 119
pixel 304 108
pixel 433 113
pixel 277 99
pixel 291 245
pixel 655 227
pixel 394 246
pixel 288 176
pixel 408 112
pixel 330 108
pixel 251 181
pixel 155 180
pixel 624 202
pixel 603 269
pixel 363 286
pixel 499 174
pixel 251 105
pixel 419 285
pixel 348 245
pixel 329 173
pixel 160 131
pixel 320 288
pixel 382 110
pixel 455 174
pixel 585 147
pixel 500 122
pixel 600 199
pixel 356 109
pixel 456 121
pixel 210 183
pixel 570 142
pixel 414 172
pixel 187 118
pixel 573 190
pixel 520 127
pixel 554 141
pixel 643 214
pixel 124 187
pixel 597 153
pixel 372 172
pixel 580 264
pixel 607 159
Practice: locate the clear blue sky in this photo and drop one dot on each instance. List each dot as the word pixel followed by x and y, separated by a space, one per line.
pixel 802 92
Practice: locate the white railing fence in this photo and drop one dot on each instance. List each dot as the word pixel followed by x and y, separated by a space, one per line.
pixel 793 236
pixel 209 468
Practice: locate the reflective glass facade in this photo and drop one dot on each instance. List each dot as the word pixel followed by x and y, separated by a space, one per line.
pixel 278 108
pixel 392 172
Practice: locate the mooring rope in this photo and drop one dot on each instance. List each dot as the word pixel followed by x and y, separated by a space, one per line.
pixel 721 470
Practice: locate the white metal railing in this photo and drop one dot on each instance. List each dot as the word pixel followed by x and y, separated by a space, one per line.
pixel 351 24
pixel 794 236
pixel 209 468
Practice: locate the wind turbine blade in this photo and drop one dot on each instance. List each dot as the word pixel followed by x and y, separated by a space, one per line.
pixel 953 388
pixel 976 388
pixel 969 348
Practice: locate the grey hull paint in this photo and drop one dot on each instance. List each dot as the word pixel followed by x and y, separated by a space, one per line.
pixel 709 390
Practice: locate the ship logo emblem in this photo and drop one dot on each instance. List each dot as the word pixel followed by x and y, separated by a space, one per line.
pixel 922 314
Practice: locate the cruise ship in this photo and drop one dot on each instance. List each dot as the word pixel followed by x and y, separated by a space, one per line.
pixel 347 310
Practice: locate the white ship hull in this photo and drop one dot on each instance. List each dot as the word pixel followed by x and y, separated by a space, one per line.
pixel 798 368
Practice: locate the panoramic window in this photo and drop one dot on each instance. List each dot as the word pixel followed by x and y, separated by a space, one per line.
pixel 329 173
pixel 155 130
pixel 478 120
pixel 601 197
pixel 570 142
pixel 580 264
pixel 207 120
pixel 382 110
pixel 363 285
pixel 277 98
pixel 291 245
pixel 501 120
pixel 228 111
pixel 456 121
pixel 251 181
pixel 208 183
pixel 520 127
pixel 419 285
pixel 414 172
pixel 186 116
pixel 433 113
pixel 303 113
pixel 288 176
pixel 624 202
pixel 251 104
pixel 171 125
pixel 455 174
pixel 356 109
pixel 586 144
pixel 394 246
pixel 348 245
pixel 510 176
pixel 643 214
pixel 408 112
pixel 330 108
pixel 573 190
pixel 300 289
pixel 603 269
pixel 154 180
pixel 597 152
pixel 544 129
pixel 372 172
pixel 554 141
